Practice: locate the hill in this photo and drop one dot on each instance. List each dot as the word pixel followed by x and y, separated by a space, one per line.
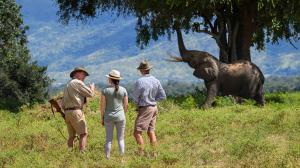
pixel 109 42
pixel 228 135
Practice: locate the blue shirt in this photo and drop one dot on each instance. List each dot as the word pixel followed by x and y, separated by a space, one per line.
pixel 147 91
pixel 114 110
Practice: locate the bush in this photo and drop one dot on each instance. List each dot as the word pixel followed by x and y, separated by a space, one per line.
pixel 224 101
pixel 188 102
pixel 279 98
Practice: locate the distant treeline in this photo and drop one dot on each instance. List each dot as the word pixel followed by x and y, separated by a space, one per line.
pixel 282 84
pixel 181 88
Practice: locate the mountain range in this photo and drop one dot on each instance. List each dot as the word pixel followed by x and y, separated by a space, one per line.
pixel 108 42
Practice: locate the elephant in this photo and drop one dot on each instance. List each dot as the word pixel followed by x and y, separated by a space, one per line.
pixel 242 78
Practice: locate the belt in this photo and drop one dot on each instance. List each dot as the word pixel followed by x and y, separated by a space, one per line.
pixel 147 106
pixel 73 108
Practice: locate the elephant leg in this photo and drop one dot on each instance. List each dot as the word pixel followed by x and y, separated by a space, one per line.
pixel 259 97
pixel 212 91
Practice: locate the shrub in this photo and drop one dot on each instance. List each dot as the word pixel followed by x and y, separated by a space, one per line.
pixel 224 101
pixel 188 102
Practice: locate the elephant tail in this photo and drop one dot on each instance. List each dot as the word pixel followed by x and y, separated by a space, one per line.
pixel 260 87
pixel 261 75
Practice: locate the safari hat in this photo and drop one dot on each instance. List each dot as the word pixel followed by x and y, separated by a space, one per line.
pixel 144 65
pixel 78 69
pixel 114 74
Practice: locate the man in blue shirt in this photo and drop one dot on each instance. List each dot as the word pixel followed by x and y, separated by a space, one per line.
pixel 147 92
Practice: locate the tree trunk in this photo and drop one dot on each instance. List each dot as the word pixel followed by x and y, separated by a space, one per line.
pixel 247 26
pixel 224 54
pixel 236 40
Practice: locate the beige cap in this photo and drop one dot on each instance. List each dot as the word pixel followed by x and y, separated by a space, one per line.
pixel 114 74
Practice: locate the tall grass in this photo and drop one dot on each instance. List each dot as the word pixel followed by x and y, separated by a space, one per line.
pixel 227 135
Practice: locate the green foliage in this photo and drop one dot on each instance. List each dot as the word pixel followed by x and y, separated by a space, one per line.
pixel 233 24
pixel 197 99
pixel 275 98
pixel 94 104
pixel 188 102
pixel 227 136
pixel 22 81
pixel 224 101
pixel 282 84
pixel 200 96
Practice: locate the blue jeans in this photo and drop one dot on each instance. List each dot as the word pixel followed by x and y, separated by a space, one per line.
pixel 109 130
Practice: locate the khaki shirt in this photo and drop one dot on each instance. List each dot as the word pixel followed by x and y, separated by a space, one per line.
pixel 75 93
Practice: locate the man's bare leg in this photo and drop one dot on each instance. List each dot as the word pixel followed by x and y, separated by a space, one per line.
pixel 71 142
pixel 82 142
pixel 153 141
pixel 140 141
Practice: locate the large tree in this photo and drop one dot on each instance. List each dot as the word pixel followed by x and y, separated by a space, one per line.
pixel 22 81
pixel 236 25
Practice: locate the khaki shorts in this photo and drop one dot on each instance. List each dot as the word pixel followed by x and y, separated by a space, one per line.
pixel 76 123
pixel 146 119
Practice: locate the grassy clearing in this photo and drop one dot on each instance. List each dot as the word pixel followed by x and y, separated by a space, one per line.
pixel 228 135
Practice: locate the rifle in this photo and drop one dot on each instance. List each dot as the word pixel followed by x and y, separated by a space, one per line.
pixel 56 103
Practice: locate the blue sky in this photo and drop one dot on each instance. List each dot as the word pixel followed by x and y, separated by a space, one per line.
pixel 108 42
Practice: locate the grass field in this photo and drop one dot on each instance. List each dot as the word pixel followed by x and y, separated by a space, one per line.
pixel 228 135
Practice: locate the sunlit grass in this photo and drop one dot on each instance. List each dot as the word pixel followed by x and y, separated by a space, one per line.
pixel 227 135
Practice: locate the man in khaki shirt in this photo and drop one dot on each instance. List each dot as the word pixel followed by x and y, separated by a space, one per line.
pixel 74 97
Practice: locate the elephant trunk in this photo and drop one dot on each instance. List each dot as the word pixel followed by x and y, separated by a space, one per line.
pixel 182 50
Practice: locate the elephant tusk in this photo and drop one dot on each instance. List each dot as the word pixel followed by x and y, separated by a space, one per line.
pixel 175 59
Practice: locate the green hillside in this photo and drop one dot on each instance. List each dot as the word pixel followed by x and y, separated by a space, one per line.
pixel 227 135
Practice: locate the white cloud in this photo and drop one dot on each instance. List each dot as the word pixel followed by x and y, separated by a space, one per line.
pixel 289 61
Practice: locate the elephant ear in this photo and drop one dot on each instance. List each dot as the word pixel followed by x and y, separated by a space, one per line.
pixel 207 71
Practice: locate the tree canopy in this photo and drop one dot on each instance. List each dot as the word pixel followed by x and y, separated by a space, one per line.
pixel 236 25
pixel 22 81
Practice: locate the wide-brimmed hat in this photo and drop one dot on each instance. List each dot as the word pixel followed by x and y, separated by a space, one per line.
pixel 114 74
pixel 78 69
pixel 144 65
